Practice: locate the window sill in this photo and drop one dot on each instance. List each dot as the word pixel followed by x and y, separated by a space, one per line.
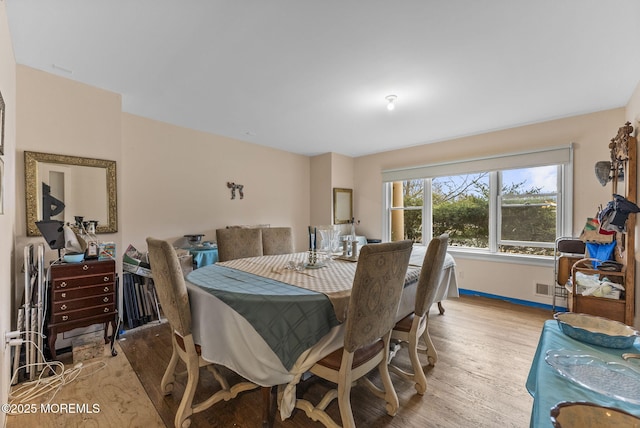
pixel 543 261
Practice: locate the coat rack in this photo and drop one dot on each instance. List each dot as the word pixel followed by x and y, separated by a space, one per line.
pixel 623 174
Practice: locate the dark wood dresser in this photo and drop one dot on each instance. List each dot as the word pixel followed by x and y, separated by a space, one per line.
pixel 80 295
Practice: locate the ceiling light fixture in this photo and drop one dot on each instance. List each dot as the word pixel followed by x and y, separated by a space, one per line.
pixel 391 99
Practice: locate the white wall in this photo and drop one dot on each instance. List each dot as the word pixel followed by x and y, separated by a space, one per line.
pixel 7 186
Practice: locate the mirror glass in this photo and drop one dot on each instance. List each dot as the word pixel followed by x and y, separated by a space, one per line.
pixel 342 206
pixel 620 185
pixel 60 187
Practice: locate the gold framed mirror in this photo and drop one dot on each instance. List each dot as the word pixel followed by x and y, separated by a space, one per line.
pixel 60 187
pixel 342 205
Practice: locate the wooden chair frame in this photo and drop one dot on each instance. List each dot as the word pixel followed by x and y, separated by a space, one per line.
pixel 374 301
pixel 408 331
pixel 172 292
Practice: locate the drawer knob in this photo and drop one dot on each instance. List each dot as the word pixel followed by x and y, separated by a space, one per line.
pixel 63 284
pixel 85 267
pixel 64 295
pixel 64 318
pixel 106 289
pixel 106 310
pixel 106 279
pixel 63 307
pixel 106 299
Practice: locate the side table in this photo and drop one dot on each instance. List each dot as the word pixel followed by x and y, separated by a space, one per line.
pixel 80 295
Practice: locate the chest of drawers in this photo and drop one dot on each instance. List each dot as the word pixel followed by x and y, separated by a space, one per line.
pixel 80 295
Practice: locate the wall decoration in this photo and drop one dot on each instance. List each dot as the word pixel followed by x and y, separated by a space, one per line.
pixel 342 206
pixel 70 172
pixel 1 124
pixel 234 187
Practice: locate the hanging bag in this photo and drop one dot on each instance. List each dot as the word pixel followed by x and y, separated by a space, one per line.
pixel 614 216
pixel 592 232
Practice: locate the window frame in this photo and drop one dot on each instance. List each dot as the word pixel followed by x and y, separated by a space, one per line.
pixel 564 208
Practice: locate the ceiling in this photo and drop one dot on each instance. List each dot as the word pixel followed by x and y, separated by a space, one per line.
pixel 311 77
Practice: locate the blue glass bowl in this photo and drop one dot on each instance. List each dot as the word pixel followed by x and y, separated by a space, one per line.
pixel 596 330
pixel 73 258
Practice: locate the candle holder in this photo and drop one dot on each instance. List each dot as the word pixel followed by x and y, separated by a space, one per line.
pixel 313 257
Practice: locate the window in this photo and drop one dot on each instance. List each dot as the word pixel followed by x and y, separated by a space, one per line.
pixel 518 210
pixel 406 210
pixel 528 210
pixel 461 208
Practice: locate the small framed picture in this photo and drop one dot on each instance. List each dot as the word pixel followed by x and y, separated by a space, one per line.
pixel 1 125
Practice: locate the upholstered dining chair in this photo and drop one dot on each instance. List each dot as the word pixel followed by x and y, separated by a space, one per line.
pixel 408 330
pixel 375 296
pixel 237 243
pixel 277 240
pixel 172 293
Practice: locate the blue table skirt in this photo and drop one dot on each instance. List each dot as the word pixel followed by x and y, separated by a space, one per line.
pixel 204 256
pixel 548 387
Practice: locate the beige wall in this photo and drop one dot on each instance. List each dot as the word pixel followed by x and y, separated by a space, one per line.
pixel 591 134
pixel 171 180
pixel 7 193
pixel 321 190
pixel 58 115
pixel 175 183
pixel 342 176
pixel 328 171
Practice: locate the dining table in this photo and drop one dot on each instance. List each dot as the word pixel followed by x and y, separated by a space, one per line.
pixel 270 318
pixel 568 370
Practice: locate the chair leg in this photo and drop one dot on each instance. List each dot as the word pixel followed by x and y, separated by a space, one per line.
pixel 432 354
pixel 169 377
pixel 344 400
pixel 418 374
pixel 185 410
pixel 429 349
pixel 390 395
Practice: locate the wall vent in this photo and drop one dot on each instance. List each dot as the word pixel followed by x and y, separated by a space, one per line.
pixel 543 289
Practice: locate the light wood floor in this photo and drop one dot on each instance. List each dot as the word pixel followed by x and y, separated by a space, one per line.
pixel 485 348
pixel 108 382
